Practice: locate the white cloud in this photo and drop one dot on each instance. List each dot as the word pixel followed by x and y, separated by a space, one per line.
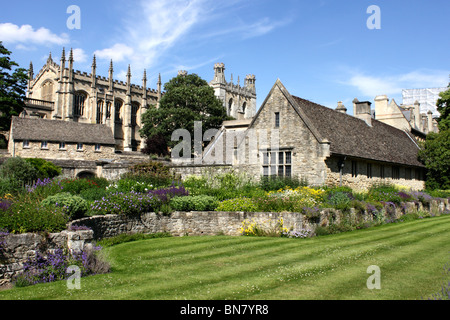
pixel 373 85
pixel 79 55
pixel 153 27
pixel 118 52
pixel 151 30
pixel 25 34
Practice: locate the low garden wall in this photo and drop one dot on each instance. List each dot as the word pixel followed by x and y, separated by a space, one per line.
pixel 195 223
pixel 15 249
pixel 198 223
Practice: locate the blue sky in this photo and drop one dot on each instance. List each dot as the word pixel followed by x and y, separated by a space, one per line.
pixel 320 50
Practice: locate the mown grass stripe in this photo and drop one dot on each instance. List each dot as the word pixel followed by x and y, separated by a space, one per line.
pixel 264 266
pixel 220 267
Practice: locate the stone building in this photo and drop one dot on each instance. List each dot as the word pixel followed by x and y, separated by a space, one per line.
pixel 58 92
pixel 293 137
pixel 405 117
pixel 50 139
pixel 240 102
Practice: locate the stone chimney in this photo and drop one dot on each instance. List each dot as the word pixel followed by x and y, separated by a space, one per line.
pixel 430 121
pixel 381 107
pixel 362 111
pixel 341 108
pixel 417 117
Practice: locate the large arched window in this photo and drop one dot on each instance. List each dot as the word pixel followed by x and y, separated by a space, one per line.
pixel 47 90
pixel 117 109
pixel 80 99
pixel 134 113
pixel 100 106
pixel 108 109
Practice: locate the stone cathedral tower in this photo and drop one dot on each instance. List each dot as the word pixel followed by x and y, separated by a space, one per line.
pixel 58 92
pixel 240 102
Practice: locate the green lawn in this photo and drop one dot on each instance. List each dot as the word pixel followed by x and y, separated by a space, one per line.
pixel 411 257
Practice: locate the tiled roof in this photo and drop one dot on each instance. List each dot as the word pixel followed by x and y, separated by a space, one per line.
pixel 351 136
pixel 57 130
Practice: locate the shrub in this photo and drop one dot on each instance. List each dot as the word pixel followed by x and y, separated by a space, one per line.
pixel 44 168
pixel 385 192
pixel 194 203
pixel 299 197
pixel 276 183
pixel 18 170
pixel 76 186
pixel 127 185
pixel 131 203
pixel 10 185
pixel 151 173
pixel 28 216
pixel 93 194
pixel 238 204
pixel 53 266
pixel 222 186
pixel 165 194
pixel 75 206
pixel 340 200
pixel 439 193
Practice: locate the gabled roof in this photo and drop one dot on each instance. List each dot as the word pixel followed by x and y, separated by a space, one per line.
pixel 35 129
pixel 351 136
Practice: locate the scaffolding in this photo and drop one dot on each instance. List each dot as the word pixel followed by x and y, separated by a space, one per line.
pixel 426 97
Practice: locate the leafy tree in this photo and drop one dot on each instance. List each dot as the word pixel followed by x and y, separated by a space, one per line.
pixel 187 98
pixel 443 106
pixel 436 149
pixel 44 168
pixel 13 84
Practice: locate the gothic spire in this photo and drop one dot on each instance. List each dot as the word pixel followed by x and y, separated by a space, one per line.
pixel 49 60
pixel 63 55
pixel 71 55
pixel 94 63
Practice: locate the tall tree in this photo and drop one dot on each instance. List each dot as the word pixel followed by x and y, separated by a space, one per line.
pixel 13 84
pixel 435 152
pixel 443 106
pixel 187 99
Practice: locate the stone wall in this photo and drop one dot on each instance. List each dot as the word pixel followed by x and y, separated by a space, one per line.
pixel 198 223
pixel 185 169
pixel 53 151
pixel 362 181
pixel 186 223
pixel 15 249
